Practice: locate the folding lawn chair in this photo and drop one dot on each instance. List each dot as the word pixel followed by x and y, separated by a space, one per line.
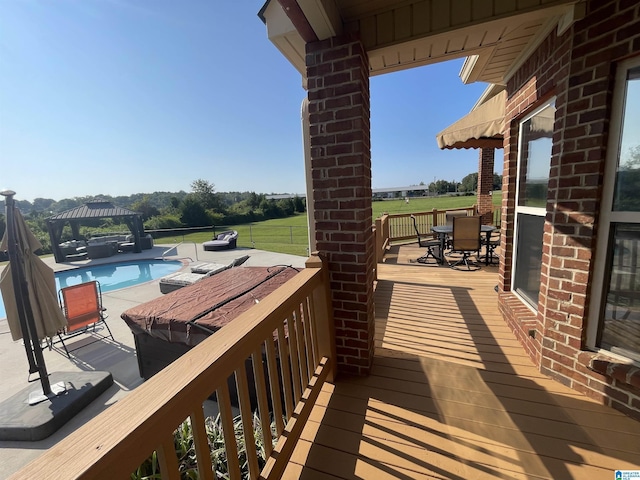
pixel 82 306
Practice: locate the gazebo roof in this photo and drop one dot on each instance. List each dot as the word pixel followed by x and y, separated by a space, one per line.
pixel 94 210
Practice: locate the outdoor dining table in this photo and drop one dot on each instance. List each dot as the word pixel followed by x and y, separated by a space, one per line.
pixel 444 230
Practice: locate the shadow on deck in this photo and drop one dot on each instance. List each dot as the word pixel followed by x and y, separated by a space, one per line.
pixel 452 395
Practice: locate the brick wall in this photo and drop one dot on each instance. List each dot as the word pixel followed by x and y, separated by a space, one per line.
pixel 485 184
pixel 578 69
pixel 338 93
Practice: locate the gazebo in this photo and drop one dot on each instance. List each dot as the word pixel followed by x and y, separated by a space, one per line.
pixel 92 210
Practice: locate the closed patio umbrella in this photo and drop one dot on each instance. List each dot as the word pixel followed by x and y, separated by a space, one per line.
pixel 40 281
pixel 29 293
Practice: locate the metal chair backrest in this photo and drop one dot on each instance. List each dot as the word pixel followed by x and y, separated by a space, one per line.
pixel 423 240
pixel 466 233
pixel 450 215
pixel 82 305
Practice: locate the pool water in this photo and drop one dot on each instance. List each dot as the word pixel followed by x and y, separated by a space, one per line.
pixel 113 276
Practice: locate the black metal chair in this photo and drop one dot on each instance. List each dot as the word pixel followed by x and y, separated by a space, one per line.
pixel 466 241
pixel 431 244
pixel 491 245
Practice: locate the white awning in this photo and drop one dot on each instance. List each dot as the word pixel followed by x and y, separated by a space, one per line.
pixel 480 128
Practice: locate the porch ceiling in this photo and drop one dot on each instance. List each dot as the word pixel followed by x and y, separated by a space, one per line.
pixel 493 34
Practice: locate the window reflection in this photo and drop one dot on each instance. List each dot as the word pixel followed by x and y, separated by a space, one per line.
pixel 621 330
pixel 537 133
pixel 529 257
pixel 626 197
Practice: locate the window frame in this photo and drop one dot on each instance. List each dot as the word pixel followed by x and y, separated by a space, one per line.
pixel 527 210
pixel 608 218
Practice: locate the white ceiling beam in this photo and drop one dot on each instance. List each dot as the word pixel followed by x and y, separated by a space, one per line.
pixel 283 34
pixel 323 16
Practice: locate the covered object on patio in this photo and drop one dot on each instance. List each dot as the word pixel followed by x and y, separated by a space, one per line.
pixel 92 210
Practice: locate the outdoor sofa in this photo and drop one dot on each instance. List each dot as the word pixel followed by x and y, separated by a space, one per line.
pixel 224 240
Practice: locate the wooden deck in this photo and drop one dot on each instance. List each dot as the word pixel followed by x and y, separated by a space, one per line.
pixel 453 396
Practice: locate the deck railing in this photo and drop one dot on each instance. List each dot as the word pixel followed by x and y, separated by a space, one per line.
pixel 398 227
pixel 381 231
pixel 288 339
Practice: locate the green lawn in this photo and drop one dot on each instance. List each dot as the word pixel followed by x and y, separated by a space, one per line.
pixel 289 235
pixel 425 204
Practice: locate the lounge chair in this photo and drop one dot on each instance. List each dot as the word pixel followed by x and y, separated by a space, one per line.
pixel 223 241
pixel 82 307
pixel 177 280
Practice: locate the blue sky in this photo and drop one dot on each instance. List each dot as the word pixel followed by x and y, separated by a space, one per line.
pixel 119 97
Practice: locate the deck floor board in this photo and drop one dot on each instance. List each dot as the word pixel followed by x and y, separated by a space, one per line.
pixel 452 395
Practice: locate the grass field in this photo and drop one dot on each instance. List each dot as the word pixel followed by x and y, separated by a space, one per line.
pixel 290 235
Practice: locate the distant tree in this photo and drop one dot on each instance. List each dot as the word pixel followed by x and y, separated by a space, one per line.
pixel 175 202
pixel 163 221
pixel 205 193
pixel 299 204
pixel 254 200
pixel 286 206
pixel 269 208
pixel 65 204
pixel 145 208
pixel 497 182
pixel 469 183
pixel 43 204
pixel 193 213
pixel 628 181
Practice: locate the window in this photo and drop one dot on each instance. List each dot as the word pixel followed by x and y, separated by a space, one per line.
pixel 615 307
pixel 534 161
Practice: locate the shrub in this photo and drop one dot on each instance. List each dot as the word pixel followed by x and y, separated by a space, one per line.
pixel 163 221
pixel 186 453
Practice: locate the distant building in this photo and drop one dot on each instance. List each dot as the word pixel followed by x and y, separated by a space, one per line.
pixel 400 192
pixel 284 196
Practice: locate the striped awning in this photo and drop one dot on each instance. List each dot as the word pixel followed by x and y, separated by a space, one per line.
pixel 480 128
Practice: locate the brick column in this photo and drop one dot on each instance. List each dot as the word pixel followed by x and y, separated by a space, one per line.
pixel 338 92
pixel 485 184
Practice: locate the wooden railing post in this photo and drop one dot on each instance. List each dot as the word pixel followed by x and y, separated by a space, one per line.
pixel 324 315
pixel 381 234
pixel 386 233
pixel 377 232
pixel 434 220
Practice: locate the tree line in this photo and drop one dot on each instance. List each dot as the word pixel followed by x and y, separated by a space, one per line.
pixel 468 185
pixel 201 207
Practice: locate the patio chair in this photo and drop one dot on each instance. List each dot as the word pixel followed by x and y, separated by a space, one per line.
pixel 431 244
pixel 82 307
pixel 449 215
pixel 466 241
pixel 491 246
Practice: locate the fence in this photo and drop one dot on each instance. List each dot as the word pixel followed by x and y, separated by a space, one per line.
pixel 294 238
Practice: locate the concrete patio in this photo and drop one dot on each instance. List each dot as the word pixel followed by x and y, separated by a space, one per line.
pixel 117 357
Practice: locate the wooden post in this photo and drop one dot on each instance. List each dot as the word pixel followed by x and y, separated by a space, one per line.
pixel 379 240
pixel 325 328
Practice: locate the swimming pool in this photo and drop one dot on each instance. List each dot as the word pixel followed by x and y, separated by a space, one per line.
pixel 113 276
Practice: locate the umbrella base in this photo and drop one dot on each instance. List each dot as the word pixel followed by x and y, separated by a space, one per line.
pixel 23 422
